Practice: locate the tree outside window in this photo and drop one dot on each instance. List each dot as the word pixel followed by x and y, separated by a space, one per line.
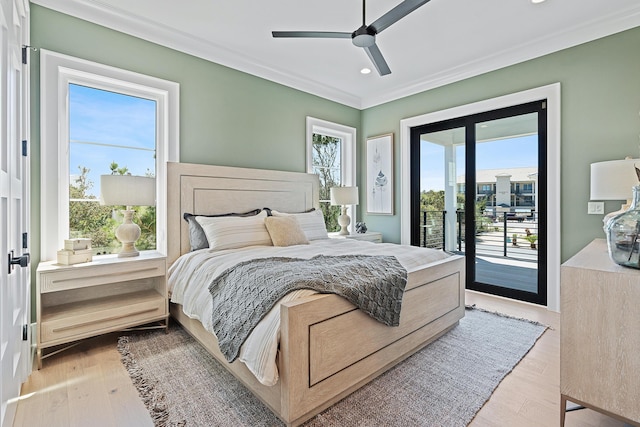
pixel 327 164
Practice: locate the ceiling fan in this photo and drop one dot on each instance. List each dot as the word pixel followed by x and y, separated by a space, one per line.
pixel 365 36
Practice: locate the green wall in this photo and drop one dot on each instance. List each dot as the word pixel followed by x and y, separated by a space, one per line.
pixel 600 101
pixel 231 118
pixel 227 117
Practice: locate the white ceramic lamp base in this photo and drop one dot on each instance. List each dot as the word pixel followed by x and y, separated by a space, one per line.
pixel 344 220
pixel 128 233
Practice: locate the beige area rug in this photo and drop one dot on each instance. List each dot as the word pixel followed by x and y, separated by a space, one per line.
pixel 444 384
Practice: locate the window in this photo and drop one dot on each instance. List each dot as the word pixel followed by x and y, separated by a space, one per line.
pixel 98 120
pixel 331 155
pixel 326 157
pixel 109 133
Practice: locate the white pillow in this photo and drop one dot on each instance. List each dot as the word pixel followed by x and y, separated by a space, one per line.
pixel 235 232
pixel 312 223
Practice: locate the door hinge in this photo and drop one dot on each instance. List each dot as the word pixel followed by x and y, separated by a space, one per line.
pixel 25 240
pixel 25 332
pixel 24 147
pixel 544 105
pixel 24 54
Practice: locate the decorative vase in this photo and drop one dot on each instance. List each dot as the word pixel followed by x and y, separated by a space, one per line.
pixel 623 234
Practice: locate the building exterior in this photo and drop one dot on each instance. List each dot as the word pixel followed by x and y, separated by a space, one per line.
pixel 505 190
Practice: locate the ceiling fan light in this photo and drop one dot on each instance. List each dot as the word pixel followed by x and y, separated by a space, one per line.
pixel 364 40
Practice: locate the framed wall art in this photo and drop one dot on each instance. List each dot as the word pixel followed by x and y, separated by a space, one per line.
pixel 380 175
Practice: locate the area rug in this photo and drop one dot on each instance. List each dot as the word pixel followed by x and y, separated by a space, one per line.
pixel 444 384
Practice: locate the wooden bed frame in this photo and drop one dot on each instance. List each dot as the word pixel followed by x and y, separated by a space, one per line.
pixel 328 348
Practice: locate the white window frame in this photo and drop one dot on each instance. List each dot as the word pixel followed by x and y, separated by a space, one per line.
pixel 57 71
pixel 348 153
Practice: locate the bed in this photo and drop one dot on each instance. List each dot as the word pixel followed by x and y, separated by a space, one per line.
pixel 328 348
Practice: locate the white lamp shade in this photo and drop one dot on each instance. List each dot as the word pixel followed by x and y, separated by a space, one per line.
pixel 127 190
pixel 344 195
pixel 613 180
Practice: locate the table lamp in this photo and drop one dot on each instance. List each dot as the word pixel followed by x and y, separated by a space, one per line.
pixel 344 196
pixel 127 190
pixel 614 180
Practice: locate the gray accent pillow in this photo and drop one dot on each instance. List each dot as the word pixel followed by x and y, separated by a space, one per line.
pixel 197 238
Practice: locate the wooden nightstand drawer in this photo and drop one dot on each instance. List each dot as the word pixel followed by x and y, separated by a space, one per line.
pixel 93 274
pixel 79 320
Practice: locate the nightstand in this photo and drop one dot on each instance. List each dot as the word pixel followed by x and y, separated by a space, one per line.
pixel 369 236
pixel 108 294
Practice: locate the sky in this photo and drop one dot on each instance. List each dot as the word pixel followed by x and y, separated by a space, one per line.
pixel 105 127
pixel 504 153
pixel 119 128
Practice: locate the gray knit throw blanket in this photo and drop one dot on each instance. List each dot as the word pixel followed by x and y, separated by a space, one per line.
pixel 244 294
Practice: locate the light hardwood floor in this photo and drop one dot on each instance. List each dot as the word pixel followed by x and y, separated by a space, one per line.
pixel 88 385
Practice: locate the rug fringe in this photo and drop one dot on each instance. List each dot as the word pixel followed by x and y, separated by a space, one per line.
pixel 154 400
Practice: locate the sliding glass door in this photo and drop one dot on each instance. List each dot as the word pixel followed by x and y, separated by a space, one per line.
pixel 437 207
pixel 478 188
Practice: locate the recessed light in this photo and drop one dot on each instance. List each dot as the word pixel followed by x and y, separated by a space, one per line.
pixel 537 1
pixel 365 70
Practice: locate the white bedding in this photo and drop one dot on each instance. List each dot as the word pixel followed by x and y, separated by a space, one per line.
pixel 191 274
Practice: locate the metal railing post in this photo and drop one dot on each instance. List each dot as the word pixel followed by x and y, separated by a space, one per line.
pixel 424 229
pixel 444 228
pixel 458 214
pixel 504 222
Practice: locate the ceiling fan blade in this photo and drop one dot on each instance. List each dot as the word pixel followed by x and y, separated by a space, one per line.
pixel 396 14
pixel 378 60
pixel 312 34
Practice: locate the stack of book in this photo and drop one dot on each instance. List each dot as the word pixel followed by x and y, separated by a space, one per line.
pixel 75 251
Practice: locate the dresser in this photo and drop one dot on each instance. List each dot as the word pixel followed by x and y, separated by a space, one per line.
pixel 600 334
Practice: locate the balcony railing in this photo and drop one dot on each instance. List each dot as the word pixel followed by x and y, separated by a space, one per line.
pixel 509 234
pixel 432 229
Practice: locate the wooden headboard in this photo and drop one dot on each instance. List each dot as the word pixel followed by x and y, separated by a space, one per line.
pixel 205 189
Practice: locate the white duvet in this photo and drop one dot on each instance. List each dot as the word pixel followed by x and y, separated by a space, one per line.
pixel 191 274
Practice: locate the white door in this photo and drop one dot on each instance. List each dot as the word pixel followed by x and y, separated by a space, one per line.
pixel 15 279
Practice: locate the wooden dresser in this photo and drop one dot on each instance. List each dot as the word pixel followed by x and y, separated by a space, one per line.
pixel 600 334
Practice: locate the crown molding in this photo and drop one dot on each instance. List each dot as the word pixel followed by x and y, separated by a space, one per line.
pixel 113 18
pixel 103 14
pixel 579 34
